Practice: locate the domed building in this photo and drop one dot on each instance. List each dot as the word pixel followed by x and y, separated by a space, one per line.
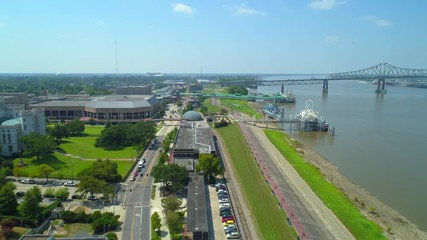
pixel 192 116
pixel 194 138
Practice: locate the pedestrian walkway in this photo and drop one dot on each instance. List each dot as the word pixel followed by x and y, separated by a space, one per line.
pixel 156 206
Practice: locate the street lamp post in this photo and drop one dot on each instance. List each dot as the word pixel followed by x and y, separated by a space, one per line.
pixel 72 171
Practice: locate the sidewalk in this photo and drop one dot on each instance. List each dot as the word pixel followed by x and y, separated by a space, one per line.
pixel 156 206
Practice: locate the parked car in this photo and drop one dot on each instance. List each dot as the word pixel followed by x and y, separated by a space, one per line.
pixel 76 196
pixel 223 200
pixel 229 222
pixel 224 208
pixel 230 230
pixel 225 205
pixel 135 174
pixel 220 188
pixel 20 194
pixel 226 214
pixel 133 178
pixel 225 219
pixel 28 181
pixel 70 184
pixel 219 184
pixel 92 198
pixel 233 235
pixel 231 226
pixel 222 191
pixel 56 183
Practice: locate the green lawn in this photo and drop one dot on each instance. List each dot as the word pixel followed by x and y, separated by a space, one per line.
pixel 66 166
pixel 73 228
pixel 241 106
pixel 270 219
pixel 211 108
pixel 84 147
pixel 341 205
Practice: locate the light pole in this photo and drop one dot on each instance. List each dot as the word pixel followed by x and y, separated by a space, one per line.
pixel 72 171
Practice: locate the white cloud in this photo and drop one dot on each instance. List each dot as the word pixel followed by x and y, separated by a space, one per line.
pixel 326 4
pixel 332 38
pixel 182 8
pixel 377 21
pixel 244 10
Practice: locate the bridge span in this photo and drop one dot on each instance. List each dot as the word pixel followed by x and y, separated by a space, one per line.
pixel 379 72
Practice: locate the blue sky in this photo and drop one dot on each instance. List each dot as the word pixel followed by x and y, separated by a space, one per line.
pixel 221 36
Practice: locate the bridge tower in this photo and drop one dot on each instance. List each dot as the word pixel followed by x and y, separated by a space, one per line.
pixel 381 86
pixel 283 88
pixel 325 85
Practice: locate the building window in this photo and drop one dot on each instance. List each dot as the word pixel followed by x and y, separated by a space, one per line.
pixel 25 127
pixel 8 138
pixel 4 138
pixel 10 148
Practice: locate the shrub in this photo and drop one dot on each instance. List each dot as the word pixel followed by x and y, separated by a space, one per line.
pixel 49 193
pixel 111 236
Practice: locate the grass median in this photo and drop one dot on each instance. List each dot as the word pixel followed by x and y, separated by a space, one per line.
pixel 240 106
pixel 269 218
pixel 360 226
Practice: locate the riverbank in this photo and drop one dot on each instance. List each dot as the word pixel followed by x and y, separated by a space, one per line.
pixel 394 224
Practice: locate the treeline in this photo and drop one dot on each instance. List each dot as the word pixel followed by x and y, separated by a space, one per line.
pixel 237 90
pixel 120 136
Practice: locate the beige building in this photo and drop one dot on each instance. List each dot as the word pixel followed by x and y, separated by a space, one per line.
pixel 114 108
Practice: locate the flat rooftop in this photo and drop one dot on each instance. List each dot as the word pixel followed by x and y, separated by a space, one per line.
pixel 197 216
pixel 195 135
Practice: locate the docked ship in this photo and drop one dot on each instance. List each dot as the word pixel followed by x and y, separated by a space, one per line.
pixel 310 119
pixel 285 97
pixel 272 111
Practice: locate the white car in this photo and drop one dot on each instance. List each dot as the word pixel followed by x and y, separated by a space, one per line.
pixel 70 184
pixel 231 226
pixel 223 200
pixel 233 235
pixel 224 205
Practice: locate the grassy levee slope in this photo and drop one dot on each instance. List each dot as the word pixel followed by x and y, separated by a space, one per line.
pixel 336 200
pixel 240 106
pixel 211 108
pixel 269 218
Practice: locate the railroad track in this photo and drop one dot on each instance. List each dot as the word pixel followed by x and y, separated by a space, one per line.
pixel 243 224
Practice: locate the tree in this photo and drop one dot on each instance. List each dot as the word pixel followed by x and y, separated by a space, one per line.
pixel 156 222
pixel 8 201
pixel 44 170
pixel 36 144
pixel 105 222
pixel 30 205
pixel 91 185
pixel 171 203
pixel 62 193
pixel 173 221
pixel 111 236
pixel 103 170
pixel 18 172
pixel 141 133
pixel 209 165
pixel 75 127
pixel 113 137
pixel 173 176
pixel 59 132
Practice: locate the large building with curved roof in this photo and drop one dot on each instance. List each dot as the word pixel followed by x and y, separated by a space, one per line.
pixel 115 108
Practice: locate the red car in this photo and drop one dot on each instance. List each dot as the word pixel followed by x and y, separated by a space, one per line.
pixel 135 174
pixel 225 219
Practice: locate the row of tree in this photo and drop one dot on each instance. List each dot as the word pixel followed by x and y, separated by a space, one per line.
pixel 120 136
pixel 72 128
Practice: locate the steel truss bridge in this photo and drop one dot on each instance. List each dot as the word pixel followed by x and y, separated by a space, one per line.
pixel 379 72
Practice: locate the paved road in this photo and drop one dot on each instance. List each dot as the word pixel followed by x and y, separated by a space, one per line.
pixel 137 196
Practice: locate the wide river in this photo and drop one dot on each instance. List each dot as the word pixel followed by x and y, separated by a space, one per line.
pixel 380 141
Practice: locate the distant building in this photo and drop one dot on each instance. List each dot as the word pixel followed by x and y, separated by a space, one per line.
pixel 194 88
pixel 133 90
